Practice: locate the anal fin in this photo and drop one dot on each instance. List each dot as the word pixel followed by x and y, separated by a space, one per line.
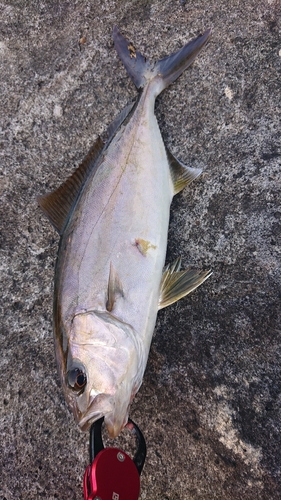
pixel 177 284
pixel 181 174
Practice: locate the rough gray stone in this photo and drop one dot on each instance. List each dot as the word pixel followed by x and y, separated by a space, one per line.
pixel 210 402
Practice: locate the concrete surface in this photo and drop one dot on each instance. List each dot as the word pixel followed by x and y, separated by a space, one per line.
pixel 210 402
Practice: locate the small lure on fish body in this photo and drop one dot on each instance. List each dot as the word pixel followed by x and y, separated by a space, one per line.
pixel 113 216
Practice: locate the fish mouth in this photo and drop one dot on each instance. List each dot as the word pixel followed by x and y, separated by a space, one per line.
pixel 88 419
pixel 99 407
pixel 102 407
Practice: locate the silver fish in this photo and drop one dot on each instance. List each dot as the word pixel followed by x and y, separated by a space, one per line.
pixel 113 216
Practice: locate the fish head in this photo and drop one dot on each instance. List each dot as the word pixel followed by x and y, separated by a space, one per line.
pixel 101 370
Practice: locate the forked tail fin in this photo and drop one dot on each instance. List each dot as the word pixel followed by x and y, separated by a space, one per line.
pixel 166 70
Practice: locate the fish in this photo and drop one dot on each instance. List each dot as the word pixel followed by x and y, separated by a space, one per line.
pixel 112 215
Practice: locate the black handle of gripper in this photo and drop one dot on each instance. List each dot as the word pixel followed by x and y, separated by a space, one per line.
pixel 96 443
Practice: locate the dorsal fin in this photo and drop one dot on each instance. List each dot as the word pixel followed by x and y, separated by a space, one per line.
pixel 180 173
pixel 177 284
pixel 58 204
pixel 113 127
pixel 114 288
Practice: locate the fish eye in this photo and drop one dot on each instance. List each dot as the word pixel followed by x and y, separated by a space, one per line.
pixel 76 378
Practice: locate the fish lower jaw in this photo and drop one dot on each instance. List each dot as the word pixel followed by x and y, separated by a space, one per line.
pixel 100 406
pixel 86 421
pixel 113 427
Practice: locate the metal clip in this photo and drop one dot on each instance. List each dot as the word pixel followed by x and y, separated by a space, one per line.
pixel 112 474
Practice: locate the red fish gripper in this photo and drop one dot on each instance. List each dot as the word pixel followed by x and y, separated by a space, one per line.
pixel 112 474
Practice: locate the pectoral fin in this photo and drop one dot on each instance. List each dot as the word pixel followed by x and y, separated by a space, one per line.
pixel 176 284
pixel 180 173
pixel 115 288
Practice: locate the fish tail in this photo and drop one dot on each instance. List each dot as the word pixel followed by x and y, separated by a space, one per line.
pixel 166 70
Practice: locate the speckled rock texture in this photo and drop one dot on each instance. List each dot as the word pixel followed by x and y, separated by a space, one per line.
pixel 209 405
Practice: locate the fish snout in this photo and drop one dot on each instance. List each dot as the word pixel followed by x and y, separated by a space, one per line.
pixel 115 427
pixel 116 420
